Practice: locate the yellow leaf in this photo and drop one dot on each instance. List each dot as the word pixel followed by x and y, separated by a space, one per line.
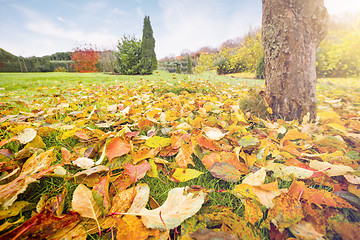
pixel 183 175
pixel 84 203
pixel 338 127
pixel 252 212
pixel 37 142
pixel 13 210
pixel 156 142
pixel 244 190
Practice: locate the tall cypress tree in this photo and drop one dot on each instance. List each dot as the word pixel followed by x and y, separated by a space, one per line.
pixel 148 56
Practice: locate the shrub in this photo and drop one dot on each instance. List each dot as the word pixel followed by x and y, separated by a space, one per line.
pixel 60 69
pixel 85 59
pixel 128 56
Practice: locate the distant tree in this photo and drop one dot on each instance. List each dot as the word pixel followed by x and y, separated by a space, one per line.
pixel 128 56
pixel 85 59
pixel 148 56
pixel 189 65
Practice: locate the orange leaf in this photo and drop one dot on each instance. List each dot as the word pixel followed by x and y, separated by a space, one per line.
pixel 143 154
pixel 131 227
pixel 253 212
pixel 286 211
pixel 116 148
pixel 183 158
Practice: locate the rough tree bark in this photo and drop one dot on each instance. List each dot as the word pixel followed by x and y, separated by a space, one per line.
pixel 291 32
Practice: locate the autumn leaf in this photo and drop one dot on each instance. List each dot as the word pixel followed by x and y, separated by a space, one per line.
pixel 138 171
pixel 179 205
pixel 184 175
pixel 84 162
pixel 84 204
pixel 131 227
pixel 27 135
pixel 252 212
pixel 117 147
pixel 213 133
pixel 14 209
pixel 157 142
pixel 184 157
pixel 100 194
pixel 41 226
pixel 286 212
pixel 225 171
pixel 304 230
pixel 330 169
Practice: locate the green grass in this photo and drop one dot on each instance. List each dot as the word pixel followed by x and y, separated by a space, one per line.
pixel 28 84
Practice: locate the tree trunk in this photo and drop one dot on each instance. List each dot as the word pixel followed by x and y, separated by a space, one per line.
pixel 291 32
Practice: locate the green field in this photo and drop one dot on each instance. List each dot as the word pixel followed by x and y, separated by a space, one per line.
pixel 216 127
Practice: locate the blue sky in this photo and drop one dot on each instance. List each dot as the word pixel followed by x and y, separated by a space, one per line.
pixel 43 27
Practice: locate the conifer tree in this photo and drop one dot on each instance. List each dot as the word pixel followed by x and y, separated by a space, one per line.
pixel 148 56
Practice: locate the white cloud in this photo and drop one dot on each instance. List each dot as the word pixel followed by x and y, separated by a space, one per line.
pixel 51 31
pixel 195 24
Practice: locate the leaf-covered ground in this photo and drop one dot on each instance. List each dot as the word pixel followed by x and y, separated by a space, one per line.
pixel 176 156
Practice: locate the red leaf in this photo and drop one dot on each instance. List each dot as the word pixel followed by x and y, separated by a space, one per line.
pixel 137 172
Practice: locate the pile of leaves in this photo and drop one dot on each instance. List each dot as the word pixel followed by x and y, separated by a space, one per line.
pixel 101 160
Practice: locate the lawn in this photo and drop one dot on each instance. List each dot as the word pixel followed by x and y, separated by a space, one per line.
pixel 77 150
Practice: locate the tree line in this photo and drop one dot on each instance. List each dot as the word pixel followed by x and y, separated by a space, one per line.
pixel 337 56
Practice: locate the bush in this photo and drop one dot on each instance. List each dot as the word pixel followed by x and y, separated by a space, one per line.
pixel 60 69
pixel 222 66
pixel 128 56
pixel 260 69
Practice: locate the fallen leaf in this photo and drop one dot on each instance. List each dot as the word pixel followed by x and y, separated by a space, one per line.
pixel 207 234
pixel 255 179
pixel 156 142
pixel 184 157
pixel 185 174
pixel 117 147
pixel 213 133
pixel 252 212
pixel 225 171
pixel 27 135
pixel 131 227
pixel 41 226
pixel 330 169
pixel 286 212
pixel 100 193
pixel 13 210
pixel 138 171
pixel 84 163
pixel 179 205
pixel 304 230
pixel 84 203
